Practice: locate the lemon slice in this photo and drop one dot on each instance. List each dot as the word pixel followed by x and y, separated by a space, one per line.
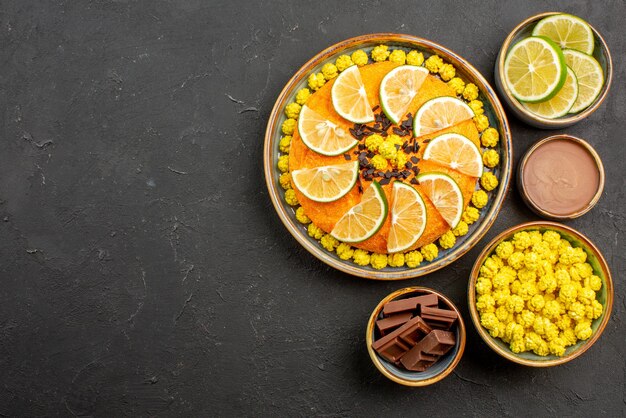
pixel 328 183
pixel 398 89
pixel 457 152
pixel 349 97
pixel 445 194
pixel 590 78
pixel 560 104
pixel 364 219
pixel 408 217
pixel 321 135
pixel 534 69
pixel 566 31
pixel 440 113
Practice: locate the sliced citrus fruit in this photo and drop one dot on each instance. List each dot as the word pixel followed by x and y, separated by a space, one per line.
pixel 408 217
pixel 440 113
pixel 322 135
pixel 560 104
pixel 566 31
pixel 445 194
pixel 534 69
pixel 364 219
pixel 328 183
pixel 398 89
pixel 590 78
pixel 349 97
pixel 457 152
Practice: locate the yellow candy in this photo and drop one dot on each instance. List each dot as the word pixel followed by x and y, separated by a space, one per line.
pixel 330 71
pixel 491 158
pixel 447 240
pixel 361 257
pixel 302 96
pixel 461 229
pixel 378 261
pixel 398 56
pixel 285 181
pixel 359 57
pixel 470 92
pixel 433 63
pixel 343 62
pixel 490 137
pixel 415 58
pixel 288 126
pixel 315 232
pixel 283 163
pixel 430 252
pixel 290 198
pixel 413 259
pixel 345 251
pixel 380 53
pixel 301 216
pixel 292 110
pixel 329 242
pixel 457 85
pixel 479 199
pixel 395 260
pixel 285 143
pixel 447 72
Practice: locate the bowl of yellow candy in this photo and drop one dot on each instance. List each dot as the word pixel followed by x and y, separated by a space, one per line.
pixel 540 294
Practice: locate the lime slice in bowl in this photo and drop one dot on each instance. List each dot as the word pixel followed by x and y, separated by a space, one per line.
pixel 364 219
pixel 590 78
pixel 534 69
pixel 567 31
pixel 560 104
pixel 328 183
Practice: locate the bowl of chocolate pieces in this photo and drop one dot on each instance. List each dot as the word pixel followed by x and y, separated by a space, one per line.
pixel 415 336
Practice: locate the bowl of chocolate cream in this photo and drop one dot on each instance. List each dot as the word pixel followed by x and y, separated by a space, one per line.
pixel 561 177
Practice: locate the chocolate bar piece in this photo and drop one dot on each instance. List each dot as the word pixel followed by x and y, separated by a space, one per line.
pixel 395 344
pixel 392 322
pixel 436 343
pixel 416 331
pixel 417 361
pixel 410 304
pixel 391 347
pixel 438 318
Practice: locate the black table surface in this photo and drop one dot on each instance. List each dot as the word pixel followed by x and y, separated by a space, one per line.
pixel 143 269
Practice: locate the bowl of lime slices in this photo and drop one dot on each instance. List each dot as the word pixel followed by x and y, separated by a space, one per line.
pixel 553 70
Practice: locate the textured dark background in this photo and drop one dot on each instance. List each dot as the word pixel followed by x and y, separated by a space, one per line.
pixel 143 270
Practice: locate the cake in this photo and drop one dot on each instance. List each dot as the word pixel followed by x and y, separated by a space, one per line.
pixel 404 163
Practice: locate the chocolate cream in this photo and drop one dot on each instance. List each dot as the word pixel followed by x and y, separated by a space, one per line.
pixel 561 177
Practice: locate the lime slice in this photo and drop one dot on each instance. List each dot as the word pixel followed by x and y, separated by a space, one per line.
pixel 590 78
pixel 349 97
pixel 328 183
pixel 445 194
pixel 566 31
pixel 560 104
pixel 321 135
pixel 364 219
pixel 398 89
pixel 408 217
pixel 457 152
pixel 534 69
pixel 440 113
